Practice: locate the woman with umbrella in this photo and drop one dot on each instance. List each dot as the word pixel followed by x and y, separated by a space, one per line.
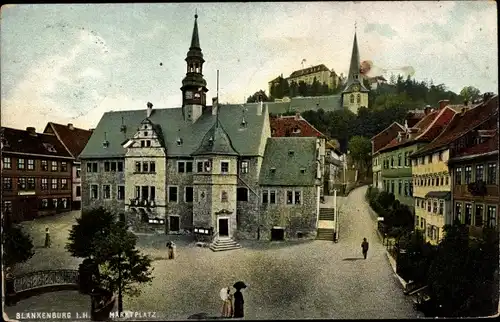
pixel 238 300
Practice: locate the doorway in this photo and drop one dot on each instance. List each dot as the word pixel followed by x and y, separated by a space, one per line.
pixel 277 234
pixel 223 227
pixel 174 223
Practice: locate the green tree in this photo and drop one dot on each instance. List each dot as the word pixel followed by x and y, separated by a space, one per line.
pixel 254 98
pixel 361 148
pixel 17 245
pixel 470 93
pixel 303 89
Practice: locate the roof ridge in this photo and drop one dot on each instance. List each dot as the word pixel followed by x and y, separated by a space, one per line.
pixel 434 121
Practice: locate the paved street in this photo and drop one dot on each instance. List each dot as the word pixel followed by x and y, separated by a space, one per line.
pixel 288 280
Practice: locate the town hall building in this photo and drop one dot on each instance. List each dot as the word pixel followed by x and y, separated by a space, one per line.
pixel 199 168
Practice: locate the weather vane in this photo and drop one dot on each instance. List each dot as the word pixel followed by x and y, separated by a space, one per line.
pixel 355 25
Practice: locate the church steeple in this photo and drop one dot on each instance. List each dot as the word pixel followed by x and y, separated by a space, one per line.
pixel 194 86
pixel 354 77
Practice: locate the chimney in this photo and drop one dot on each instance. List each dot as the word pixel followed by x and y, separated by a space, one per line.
pixel 297 116
pixel 215 105
pixel 443 104
pixel 31 131
pixel 70 126
pixel 487 96
pixel 149 110
pixel 427 109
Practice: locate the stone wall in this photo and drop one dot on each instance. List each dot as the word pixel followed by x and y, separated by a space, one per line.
pixel 181 180
pixel 101 178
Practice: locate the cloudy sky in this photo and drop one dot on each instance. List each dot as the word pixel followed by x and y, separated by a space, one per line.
pixel 71 63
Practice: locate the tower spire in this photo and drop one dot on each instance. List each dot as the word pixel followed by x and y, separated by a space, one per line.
pixel 354 76
pixel 195 40
pixel 218 105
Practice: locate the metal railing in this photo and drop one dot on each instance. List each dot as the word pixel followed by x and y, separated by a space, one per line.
pixel 39 279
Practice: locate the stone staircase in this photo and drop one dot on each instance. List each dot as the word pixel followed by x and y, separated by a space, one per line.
pixel 224 244
pixel 327 217
pixel 326 214
pixel 325 234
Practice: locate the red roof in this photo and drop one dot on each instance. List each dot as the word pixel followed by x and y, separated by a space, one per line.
pixel 21 141
pixel 438 125
pixel 287 125
pixel 489 145
pixel 74 139
pixel 463 123
pixel 383 138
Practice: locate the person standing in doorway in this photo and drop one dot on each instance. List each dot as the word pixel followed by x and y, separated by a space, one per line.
pixel 47 238
pixel 364 247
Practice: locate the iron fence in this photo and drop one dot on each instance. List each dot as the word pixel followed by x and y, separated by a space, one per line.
pixel 33 280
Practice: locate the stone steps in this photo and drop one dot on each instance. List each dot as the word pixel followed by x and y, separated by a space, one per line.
pixel 224 244
pixel 325 234
pixel 326 214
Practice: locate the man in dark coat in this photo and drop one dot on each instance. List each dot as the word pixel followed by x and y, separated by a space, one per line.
pixel 238 304
pixel 364 247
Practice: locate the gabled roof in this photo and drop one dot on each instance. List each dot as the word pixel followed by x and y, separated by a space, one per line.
pixel 286 125
pixel 216 142
pixel 461 124
pixel 246 140
pixel 437 125
pixel 74 139
pixel 284 160
pixel 489 145
pixel 386 136
pixel 309 70
pixel 20 141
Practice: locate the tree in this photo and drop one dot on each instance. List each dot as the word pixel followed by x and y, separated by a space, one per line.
pixel 255 97
pixel 470 93
pixel 17 246
pixel 361 148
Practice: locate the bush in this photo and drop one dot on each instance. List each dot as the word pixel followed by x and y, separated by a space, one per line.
pixel 385 199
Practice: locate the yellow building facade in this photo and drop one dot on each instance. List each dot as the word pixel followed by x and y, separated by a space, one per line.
pixel 432 192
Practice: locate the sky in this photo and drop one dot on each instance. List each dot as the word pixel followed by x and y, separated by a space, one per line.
pixel 70 63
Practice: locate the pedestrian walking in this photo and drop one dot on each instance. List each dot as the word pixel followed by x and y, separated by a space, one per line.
pixel 47 238
pixel 364 247
pixel 238 300
pixel 227 302
pixel 170 250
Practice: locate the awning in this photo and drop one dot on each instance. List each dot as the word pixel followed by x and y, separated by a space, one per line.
pixel 446 195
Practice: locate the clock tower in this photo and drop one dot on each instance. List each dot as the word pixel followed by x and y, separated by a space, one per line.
pixel 194 86
pixel 355 94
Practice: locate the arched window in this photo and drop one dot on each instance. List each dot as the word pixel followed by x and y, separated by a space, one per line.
pixel 352 98
pixel 197 68
pixel 359 98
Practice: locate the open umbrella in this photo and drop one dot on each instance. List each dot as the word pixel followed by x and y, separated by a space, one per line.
pixel 239 285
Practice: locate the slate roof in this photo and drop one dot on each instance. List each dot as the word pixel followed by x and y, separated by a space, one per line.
pixel 20 141
pixel 216 142
pixel 285 126
pixel 328 103
pixel 279 168
pixel 74 139
pixel 461 124
pixel 246 140
pixel 355 69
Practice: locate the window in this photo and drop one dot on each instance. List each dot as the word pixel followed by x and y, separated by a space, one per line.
pixel 45 203
pixel 199 166
pixel 7 163
pixel 53 185
pixel 148 143
pixel 297 198
pixel 442 180
pixel 120 192
pixel 440 156
pixel 351 98
pixel 492 217
pixel 181 167
pixel 265 196
pixel 400 186
pixel 144 193
pixel 432 181
pixel 479 172
pixel 7 183
pixel 358 98
pixel 64 184
pixel 407 188
pixel 31 164
pixel 407 159
pixel 421 160
pixel 429 159
pixel 53 166
pixel 45 165
pixel 293 197
pixel 94 194
pixel 137 166
pixel 142 143
pixel 152 166
pixel 434 206
pixel 207 165
pixel 64 166
pixel 145 167
pixel 120 166
pixel 45 184
pixel 458 176
pixel 106 166
pixel 188 194
pixel 458 211
pixel 224 167
pixel 399 160
pixel 429 209
pixel 189 166
pixel 492 173
pixel 20 164
pixel 78 171
pixel 137 192
pixel 54 203
pixel 106 191
pixel 172 194
pixel 289 196
pixel 241 194
pixel 78 191
pixel 468 174
pixel 95 167
pixel 113 166
pixel 392 162
pixel 223 196
pixel 478 218
pixel 272 197
pixel 64 203
pixel 152 193
pixel 244 167
pixel 441 207
pixel 447 180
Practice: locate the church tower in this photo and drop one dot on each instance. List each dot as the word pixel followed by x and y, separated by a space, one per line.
pixel 355 93
pixel 194 86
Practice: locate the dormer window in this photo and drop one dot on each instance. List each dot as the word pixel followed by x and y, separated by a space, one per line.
pixel 291 153
pixel 296 130
pixel 143 143
pixel 105 144
pixel 123 128
pixel 356 76
pixel 302 170
pixel 148 143
pixel 50 147
pixel 179 141
pixel 273 170
pixel 145 133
